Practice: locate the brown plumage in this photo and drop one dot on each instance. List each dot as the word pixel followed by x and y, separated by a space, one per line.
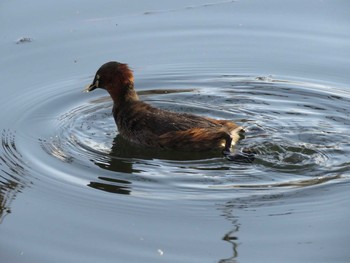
pixel 143 124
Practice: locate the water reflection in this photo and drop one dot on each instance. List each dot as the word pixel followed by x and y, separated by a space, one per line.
pixel 6 196
pixel 231 237
pixel 113 161
pixel 12 170
pixel 124 156
pixel 124 149
pixel 115 186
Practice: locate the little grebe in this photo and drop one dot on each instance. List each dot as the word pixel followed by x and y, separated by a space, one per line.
pixel 145 125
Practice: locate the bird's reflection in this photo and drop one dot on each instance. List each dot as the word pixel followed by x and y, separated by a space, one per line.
pixel 124 158
pixel 121 157
pixel 115 161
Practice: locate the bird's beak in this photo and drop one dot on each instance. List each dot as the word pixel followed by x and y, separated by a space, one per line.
pixel 94 85
pixel 90 87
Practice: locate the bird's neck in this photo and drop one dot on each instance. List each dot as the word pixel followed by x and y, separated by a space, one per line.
pixel 124 95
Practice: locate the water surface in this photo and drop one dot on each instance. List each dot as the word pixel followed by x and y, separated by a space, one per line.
pixel 71 189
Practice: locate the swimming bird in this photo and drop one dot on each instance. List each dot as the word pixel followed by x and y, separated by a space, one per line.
pixel 148 126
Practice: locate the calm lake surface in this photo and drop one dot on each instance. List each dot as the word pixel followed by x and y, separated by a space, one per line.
pixel 72 190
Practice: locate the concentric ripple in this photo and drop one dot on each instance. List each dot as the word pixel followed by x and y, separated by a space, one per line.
pixel 296 128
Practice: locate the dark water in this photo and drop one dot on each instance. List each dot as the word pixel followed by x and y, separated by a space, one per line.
pixel 72 190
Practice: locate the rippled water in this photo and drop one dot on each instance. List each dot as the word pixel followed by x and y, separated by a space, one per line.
pixel 71 189
pixel 304 147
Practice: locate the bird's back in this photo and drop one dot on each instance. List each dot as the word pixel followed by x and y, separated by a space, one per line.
pixel 144 124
